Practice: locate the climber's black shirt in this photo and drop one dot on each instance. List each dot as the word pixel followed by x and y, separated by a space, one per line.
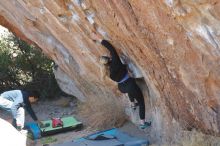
pixel 117 69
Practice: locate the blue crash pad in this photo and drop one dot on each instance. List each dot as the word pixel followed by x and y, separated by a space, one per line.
pixel 34 129
pixel 115 137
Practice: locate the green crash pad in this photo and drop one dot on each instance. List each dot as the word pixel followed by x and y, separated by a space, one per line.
pixel 69 123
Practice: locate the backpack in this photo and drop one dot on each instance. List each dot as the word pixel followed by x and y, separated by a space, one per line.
pixel 57 122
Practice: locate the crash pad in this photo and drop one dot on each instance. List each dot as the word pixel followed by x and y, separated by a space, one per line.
pixel 69 123
pixel 111 137
pixel 34 129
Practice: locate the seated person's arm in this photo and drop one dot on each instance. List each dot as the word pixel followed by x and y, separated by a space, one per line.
pixel 31 112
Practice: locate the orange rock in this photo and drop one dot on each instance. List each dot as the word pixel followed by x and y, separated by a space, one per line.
pixel 173 43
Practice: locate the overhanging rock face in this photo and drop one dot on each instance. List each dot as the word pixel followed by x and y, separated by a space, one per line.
pixel 173 44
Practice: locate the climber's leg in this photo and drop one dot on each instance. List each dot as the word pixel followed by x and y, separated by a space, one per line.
pixel 135 92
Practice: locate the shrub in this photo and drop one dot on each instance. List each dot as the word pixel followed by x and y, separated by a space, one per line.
pixel 24 66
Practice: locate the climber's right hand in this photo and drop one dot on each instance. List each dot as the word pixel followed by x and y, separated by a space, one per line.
pixel 96 37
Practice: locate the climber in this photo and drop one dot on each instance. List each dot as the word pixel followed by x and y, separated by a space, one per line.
pixel 119 73
pixel 15 101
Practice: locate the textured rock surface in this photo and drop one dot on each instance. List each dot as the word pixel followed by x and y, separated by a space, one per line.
pixel 174 45
pixel 67 84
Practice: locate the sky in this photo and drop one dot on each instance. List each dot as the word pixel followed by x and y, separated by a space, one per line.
pixel 3 31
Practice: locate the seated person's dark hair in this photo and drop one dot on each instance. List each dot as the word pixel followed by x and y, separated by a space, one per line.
pixel 34 93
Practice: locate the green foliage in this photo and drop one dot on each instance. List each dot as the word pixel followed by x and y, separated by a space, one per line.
pixel 24 66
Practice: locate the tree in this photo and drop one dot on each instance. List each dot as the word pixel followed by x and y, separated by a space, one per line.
pixel 24 66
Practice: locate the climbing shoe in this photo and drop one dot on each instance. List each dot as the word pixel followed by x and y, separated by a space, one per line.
pixel 145 125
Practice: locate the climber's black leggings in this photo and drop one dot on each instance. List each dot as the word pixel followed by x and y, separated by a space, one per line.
pixel 134 92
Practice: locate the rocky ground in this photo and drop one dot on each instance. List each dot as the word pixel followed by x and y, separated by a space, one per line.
pixel 62 107
pixel 55 108
pixel 65 106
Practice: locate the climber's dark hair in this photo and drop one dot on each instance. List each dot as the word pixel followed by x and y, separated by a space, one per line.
pixel 35 94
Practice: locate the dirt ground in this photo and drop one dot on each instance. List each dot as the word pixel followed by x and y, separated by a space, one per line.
pixel 62 107
pixel 66 106
pixel 47 109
